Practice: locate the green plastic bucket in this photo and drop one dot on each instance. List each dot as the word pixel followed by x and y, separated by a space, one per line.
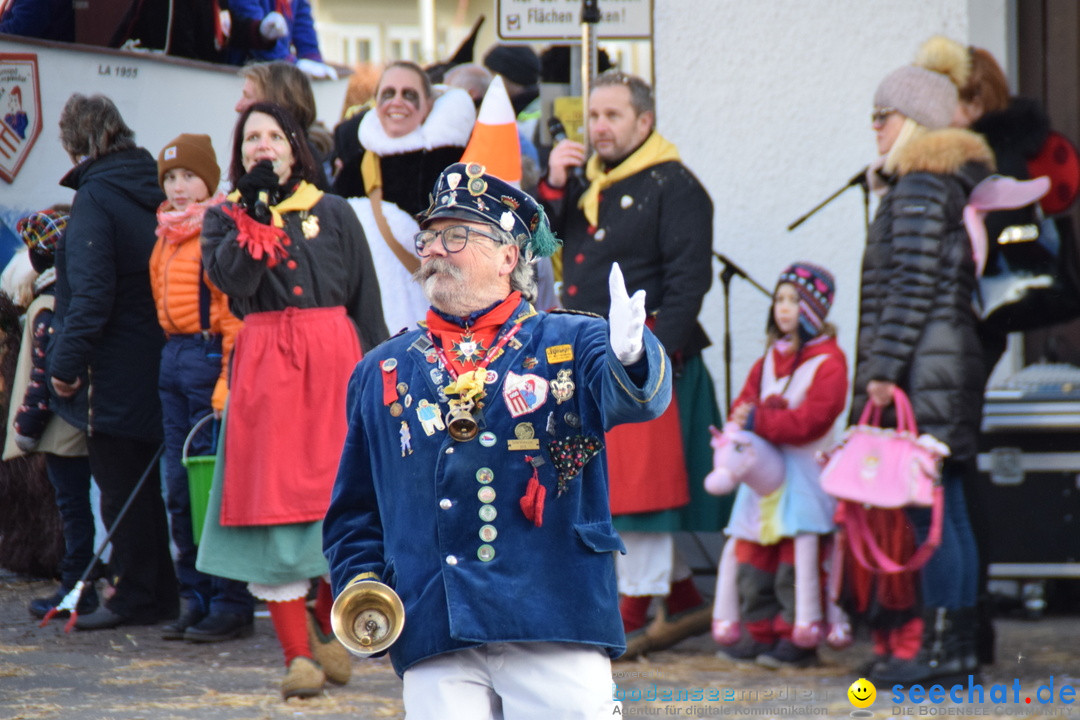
pixel 200 472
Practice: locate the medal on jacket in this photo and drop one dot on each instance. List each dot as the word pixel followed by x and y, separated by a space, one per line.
pixel 467 349
pixel 468 387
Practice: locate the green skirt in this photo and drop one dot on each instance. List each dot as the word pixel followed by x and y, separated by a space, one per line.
pixel 263 554
pixel 697 411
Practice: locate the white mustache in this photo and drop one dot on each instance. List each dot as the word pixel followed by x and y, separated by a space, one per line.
pixel 437 265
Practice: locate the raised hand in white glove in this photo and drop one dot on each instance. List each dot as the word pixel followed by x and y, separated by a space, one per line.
pixel 316 69
pixel 273 26
pixel 626 319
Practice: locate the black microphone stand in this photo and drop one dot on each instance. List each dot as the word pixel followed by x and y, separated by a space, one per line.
pixel 729 271
pixel 858 179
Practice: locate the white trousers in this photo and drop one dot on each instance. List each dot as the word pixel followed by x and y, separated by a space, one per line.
pixel 651 564
pixel 512 681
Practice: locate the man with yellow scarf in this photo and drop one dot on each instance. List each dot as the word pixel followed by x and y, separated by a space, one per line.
pixel 641 207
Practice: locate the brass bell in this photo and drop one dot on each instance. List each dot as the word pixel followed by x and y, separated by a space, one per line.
pixel 460 423
pixel 367 617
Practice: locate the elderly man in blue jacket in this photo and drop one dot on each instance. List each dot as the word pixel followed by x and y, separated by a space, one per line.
pixel 473 479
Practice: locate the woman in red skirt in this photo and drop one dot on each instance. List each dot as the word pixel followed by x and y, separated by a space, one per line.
pixel 297 269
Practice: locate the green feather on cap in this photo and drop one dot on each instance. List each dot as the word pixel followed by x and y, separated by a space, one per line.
pixel 543 242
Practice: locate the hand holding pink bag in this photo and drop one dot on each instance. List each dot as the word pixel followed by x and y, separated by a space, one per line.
pixel 887 468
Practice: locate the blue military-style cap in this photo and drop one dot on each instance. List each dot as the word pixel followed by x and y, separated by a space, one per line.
pixel 467 192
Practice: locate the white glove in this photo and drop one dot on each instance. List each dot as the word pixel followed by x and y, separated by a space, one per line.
pixel 316 69
pixel 273 26
pixel 626 319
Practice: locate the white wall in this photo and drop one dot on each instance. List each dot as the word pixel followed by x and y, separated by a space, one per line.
pixel 769 103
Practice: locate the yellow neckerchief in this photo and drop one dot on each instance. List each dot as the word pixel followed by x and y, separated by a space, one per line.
pixel 653 151
pixel 303 198
pixel 371 172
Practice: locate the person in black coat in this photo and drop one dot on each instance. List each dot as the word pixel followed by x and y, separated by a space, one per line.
pixel 641 206
pixel 1017 129
pixel 917 333
pixel 104 357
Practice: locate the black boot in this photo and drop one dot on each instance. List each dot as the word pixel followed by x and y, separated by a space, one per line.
pixel 984 630
pixel 191 614
pixel 966 625
pixel 939 656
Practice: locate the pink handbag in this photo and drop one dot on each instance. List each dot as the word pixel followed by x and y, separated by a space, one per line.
pixel 885 468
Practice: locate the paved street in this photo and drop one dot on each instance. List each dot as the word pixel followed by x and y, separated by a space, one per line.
pixel 129 674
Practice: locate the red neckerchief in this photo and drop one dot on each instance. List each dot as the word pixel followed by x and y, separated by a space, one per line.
pixel 453 338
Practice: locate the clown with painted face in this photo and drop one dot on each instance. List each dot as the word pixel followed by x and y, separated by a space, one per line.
pixel 386 159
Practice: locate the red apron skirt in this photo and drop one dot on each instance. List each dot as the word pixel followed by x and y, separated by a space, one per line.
pixel 286 420
pixel 646 467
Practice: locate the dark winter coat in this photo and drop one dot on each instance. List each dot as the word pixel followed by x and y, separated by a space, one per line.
pixel 46 19
pixel 105 330
pixel 34 411
pixel 1016 135
pixel 658 225
pixel 916 318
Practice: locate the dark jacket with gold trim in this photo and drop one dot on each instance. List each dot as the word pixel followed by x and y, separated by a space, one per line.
pixel 416 518
pixel 916 319
pixel 658 225
pixel 328 263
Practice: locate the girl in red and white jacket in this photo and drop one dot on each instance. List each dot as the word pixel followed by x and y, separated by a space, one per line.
pixel 792 398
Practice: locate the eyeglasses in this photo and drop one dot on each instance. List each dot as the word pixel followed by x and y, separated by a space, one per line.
pixel 879 115
pixel 454 239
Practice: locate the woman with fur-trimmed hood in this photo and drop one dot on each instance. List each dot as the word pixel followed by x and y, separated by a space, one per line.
pixel 917 332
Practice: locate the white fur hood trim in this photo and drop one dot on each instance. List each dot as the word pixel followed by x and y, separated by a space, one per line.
pixel 449 124
pixel 402 225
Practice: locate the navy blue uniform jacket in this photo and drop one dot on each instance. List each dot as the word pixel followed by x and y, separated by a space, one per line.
pixel 444 525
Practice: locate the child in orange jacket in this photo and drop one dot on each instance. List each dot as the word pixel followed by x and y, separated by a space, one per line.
pixel 194 377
